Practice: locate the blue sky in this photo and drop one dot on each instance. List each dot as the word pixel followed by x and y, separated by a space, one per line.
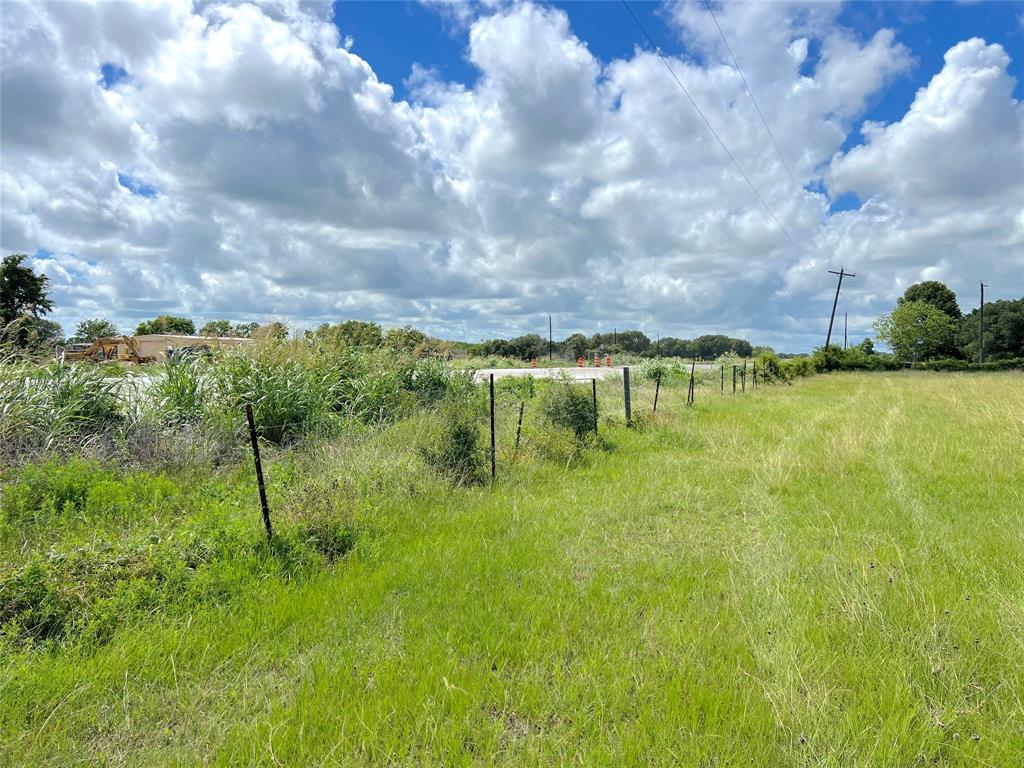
pixel 392 36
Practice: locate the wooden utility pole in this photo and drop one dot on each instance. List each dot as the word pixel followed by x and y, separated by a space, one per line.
pixel 550 340
pixel 981 339
pixel 846 320
pixel 842 273
pixel 625 391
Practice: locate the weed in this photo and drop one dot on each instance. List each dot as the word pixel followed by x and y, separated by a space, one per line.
pixel 570 406
pixel 455 449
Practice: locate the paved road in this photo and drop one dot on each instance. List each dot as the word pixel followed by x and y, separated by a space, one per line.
pixel 585 374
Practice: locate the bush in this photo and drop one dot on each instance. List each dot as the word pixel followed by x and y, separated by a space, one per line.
pixel 770 366
pixel 455 451
pixel 570 406
pixel 953 364
pixel 658 368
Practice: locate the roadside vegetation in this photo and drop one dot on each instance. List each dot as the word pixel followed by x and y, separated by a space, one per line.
pixel 731 582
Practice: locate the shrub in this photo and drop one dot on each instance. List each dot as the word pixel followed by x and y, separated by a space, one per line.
pixel 571 407
pixel 429 380
pixel 770 366
pixel 455 451
pixel 658 368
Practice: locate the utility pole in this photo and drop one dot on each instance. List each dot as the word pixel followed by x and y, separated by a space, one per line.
pixel 842 273
pixel 981 339
pixel 550 340
pixel 846 321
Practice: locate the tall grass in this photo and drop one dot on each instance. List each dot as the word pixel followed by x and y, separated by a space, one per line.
pixel 54 407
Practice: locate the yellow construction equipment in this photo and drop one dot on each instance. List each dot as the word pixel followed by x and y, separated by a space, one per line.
pixel 121 349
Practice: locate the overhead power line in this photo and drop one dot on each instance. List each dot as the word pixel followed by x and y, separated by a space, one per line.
pixel 714 133
pixel 760 114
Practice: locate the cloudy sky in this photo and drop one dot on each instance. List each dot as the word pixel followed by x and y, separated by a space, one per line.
pixel 471 168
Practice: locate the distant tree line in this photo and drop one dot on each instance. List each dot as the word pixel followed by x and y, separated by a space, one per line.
pixel 534 345
pixel 926 324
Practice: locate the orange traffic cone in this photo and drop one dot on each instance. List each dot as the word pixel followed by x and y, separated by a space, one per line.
pixel 597 361
pixel 533 363
pixel 607 361
pixel 579 362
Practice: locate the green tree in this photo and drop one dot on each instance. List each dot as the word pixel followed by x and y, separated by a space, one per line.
pixel 935 293
pixel 96 328
pixel 405 339
pixel 24 299
pixel 216 328
pixel 1004 331
pixel 916 330
pixel 351 333
pixel 245 330
pixel 169 324
pixel 576 345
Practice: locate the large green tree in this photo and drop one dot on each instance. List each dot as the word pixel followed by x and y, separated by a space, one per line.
pixel 216 328
pixel 24 299
pixel 351 333
pixel 1004 331
pixel 576 345
pixel 917 330
pixel 935 293
pixel 95 328
pixel 22 291
pixel 170 324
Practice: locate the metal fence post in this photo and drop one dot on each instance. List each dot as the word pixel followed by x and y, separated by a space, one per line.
pixel 593 389
pixel 494 464
pixel 657 388
pixel 625 385
pixel 259 471
pixel 519 425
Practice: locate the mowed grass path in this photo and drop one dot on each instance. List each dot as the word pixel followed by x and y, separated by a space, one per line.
pixel 824 574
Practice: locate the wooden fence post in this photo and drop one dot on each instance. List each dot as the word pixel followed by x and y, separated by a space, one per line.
pixel 259 471
pixel 625 386
pixel 734 379
pixel 723 378
pixel 692 393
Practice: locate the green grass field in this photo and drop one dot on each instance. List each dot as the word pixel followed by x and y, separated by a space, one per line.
pixel 823 574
